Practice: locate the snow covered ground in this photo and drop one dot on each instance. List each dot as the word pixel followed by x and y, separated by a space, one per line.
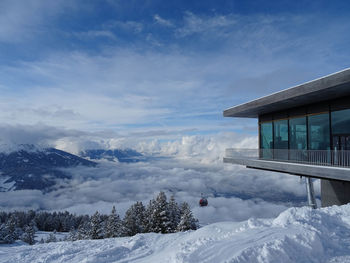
pixel 296 235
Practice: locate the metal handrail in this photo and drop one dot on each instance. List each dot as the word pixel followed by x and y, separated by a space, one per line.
pixel 339 158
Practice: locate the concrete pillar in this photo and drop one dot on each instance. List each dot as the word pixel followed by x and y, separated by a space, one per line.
pixel 310 193
pixel 334 192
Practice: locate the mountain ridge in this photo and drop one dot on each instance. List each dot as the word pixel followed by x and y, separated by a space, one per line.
pixel 30 167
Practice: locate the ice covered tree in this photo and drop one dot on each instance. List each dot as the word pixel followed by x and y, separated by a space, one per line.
pixel 187 221
pixel 134 220
pixel 113 226
pixel 83 231
pixel 96 228
pixel 159 216
pixel 174 213
pixel 73 234
pixel 5 235
pixel 51 238
pixel 28 235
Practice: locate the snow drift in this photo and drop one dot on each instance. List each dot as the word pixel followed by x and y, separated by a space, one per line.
pixel 296 235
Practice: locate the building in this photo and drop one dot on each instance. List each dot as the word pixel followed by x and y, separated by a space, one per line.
pixel 304 131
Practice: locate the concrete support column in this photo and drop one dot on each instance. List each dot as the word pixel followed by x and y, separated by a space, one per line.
pixel 310 193
pixel 334 192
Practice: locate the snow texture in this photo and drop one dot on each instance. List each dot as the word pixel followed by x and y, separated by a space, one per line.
pixel 296 235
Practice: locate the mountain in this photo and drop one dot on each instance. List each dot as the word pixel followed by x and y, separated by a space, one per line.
pixel 32 168
pixel 124 156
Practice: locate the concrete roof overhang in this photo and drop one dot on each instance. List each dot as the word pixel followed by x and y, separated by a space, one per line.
pixel 330 87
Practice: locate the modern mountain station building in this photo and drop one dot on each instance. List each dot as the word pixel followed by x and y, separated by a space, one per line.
pixel 304 131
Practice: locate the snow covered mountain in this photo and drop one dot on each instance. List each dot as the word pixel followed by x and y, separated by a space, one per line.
pixel 296 235
pixel 127 155
pixel 29 167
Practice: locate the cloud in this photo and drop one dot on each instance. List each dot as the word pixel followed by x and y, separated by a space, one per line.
pixel 128 26
pixel 161 21
pixel 136 88
pixel 39 134
pixel 234 193
pixel 96 34
pixel 21 21
pixel 185 168
pixel 204 24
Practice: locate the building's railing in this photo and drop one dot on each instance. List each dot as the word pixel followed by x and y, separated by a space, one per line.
pixel 315 157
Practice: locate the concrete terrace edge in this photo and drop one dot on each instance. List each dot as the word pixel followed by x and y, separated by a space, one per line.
pixel 322 172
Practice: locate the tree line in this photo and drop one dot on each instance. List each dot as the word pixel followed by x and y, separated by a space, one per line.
pixel 159 216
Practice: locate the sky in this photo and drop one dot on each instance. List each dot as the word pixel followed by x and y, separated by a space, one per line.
pixel 120 71
pixel 156 76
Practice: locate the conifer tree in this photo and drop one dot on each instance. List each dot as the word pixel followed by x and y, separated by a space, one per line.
pixel 134 220
pixel 72 235
pixel 95 231
pixel 159 216
pixel 174 214
pixel 113 225
pixel 51 238
pixel 83 231
pixel 187 221
pixel 28 235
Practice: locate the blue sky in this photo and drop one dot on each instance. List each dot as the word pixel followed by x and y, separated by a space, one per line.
pixel 158 69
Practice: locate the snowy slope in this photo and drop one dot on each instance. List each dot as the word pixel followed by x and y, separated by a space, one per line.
pixel 296 235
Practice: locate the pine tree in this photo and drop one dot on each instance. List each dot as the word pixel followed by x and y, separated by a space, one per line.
pixel 174 214
pixel 187 221
pixel 159 217
pixel 28 235
pixel 72 235
pixel 12 231
pixel 8 231
pixel 83 231
pixel 95 231
pixel 5 236
pixel 134 220
pixel 113 225
pixel 51 238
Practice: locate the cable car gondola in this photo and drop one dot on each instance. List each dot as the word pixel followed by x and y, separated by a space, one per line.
pixel 203 201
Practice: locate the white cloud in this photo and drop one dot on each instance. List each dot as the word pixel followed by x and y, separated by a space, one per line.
pixel 234 193
pixel 22 20
pixel 163 21
pixel 204 24
pixel 96 33
pixel 186 168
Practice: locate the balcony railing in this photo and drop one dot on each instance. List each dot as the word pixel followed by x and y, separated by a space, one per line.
pixel 314 157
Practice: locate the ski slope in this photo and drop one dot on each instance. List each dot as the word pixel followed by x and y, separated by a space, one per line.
pixel 296 235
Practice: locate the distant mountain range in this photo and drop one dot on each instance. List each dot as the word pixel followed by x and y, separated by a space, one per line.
pixel 33 168
pixel 29 167
pixel 116 155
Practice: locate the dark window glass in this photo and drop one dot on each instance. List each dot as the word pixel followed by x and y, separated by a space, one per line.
pixel 266 143
pixel 297 139
pixel 318 129
pixel 341 122
pixel 281 139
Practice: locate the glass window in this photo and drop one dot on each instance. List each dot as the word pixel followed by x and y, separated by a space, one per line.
pixel 281 139
pixel 297 139
pixel 318 128
pixel 266 142
pixel 341 122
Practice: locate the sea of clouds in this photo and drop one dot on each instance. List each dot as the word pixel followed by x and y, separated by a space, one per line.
pixel 185 168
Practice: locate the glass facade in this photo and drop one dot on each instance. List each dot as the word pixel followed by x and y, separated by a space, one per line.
pixel 318 130
pixel 341 122
pixel 308 134
pixel 289 139
pixel 297 138
pixel 266 140
pixel 280 139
